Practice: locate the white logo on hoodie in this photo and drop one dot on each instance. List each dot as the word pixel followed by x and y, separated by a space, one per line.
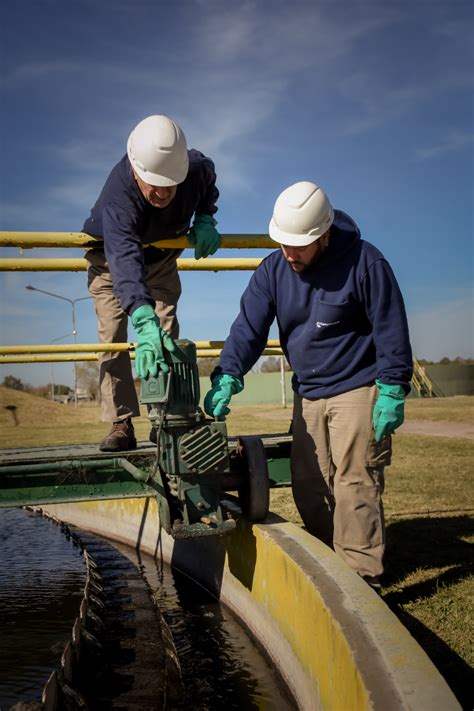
pixel 320 324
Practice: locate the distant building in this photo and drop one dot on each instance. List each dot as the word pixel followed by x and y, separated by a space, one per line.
pixel 83 395
pixel 63 399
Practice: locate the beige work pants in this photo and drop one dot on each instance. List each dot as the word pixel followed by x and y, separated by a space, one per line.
pixel 118 394
pixel 338 475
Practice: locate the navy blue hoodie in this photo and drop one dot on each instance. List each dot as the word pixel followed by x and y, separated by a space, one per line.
pixel 127 222
pixel 342 321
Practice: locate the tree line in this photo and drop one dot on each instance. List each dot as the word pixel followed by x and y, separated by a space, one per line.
pixel 87 382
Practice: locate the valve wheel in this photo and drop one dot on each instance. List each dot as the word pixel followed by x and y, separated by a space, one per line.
pixel 254 489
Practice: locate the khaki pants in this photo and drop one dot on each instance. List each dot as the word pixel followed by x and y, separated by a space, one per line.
pixel 338 475
pixel 118 394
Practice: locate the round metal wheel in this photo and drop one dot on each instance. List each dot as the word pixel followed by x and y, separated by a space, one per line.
pixel 254 489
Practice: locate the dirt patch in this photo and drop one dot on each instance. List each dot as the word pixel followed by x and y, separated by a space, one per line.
pixel 423 427
pixel 438 429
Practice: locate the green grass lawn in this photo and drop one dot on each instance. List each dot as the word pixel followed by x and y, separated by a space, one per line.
pixel 428 501
pixel 441 409
pixel 429 506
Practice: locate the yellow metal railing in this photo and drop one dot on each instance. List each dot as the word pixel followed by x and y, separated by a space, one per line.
pixel 70 353
pixel 90 351
pixel 25 264
pixel 60 240
pixel 422 383
pixel 80 240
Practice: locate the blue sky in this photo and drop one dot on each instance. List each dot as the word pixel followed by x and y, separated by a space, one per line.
pixel 372 100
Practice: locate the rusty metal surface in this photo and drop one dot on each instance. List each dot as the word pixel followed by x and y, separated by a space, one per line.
pixel 91 451
pixel 79 451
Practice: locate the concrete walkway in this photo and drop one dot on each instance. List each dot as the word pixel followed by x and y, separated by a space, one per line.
pixel 438 429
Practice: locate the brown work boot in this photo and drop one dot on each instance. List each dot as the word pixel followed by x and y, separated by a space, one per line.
pixel 374 583
pixel 120 438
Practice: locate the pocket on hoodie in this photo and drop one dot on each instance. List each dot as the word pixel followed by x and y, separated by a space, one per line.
pixel 332 318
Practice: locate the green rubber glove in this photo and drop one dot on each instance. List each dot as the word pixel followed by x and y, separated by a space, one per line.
pixel 203 236
pixel 149 353
pixel 388 409
pixel 218 397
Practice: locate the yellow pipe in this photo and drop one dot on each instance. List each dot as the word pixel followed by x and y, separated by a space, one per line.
pixel 215 353
pixel 49 358
pixel 68 348
pixel 105 347
pixel 29 240
pixel 77 265
pixel 42 265
pixel 73 357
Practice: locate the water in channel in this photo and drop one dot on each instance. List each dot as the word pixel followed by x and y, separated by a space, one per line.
pixel 42 578
pixel 221 665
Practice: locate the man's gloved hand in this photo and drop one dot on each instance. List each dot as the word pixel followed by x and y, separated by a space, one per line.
pixel 218 397
pixel 388 410
pixel 149 355
pixel 203 236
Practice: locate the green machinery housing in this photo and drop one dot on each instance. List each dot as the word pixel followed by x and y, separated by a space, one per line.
pixel 188 466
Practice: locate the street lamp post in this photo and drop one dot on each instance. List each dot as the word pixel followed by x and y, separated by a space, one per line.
pixel 55 340
pixel 74 330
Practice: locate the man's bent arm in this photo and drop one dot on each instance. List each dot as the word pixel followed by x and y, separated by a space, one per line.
pixel 249 332
pixel 386 311
pixel 207 204
pixel 124 254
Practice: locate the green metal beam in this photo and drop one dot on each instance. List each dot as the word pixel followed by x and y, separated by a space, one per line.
pixel 73 480
pixel 61 494
pixel 49 489
pixel 89 478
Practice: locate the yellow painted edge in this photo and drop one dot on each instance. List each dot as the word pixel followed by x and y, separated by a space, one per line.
pixel 290 596
pixel 267 567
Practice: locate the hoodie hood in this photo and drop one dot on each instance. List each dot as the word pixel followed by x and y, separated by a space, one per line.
pixel 344 235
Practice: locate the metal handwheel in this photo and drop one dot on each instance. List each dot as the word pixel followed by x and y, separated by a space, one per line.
pixel 254 488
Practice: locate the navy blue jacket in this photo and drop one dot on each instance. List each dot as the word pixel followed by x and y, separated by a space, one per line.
pixel 342 321
pixel 127 223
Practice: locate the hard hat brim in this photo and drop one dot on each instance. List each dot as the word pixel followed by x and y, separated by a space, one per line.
pixel 153 179
pixel 287 238
pixel 150 178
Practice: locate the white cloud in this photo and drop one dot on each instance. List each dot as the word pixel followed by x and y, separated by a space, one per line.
pixel 375 102
pixel 453 142
pixel 31 72
pixel 279 38
pixel 234 72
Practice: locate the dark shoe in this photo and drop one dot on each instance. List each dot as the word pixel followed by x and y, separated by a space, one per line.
pixel 120 438
pixel 374 583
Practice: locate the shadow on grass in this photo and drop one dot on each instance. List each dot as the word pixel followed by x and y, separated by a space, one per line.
pixel 456 671
pixel 424 544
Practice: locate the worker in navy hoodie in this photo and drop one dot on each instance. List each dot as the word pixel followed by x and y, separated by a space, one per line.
pixel 158 190
pixel 343 329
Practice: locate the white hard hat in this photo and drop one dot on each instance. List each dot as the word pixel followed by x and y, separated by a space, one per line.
pixel 302 214
pixel 158 152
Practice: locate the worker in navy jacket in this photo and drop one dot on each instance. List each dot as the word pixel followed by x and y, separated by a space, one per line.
pixel 343 329
pixel 158 190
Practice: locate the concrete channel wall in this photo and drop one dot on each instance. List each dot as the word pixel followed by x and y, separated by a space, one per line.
pixel 333 640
